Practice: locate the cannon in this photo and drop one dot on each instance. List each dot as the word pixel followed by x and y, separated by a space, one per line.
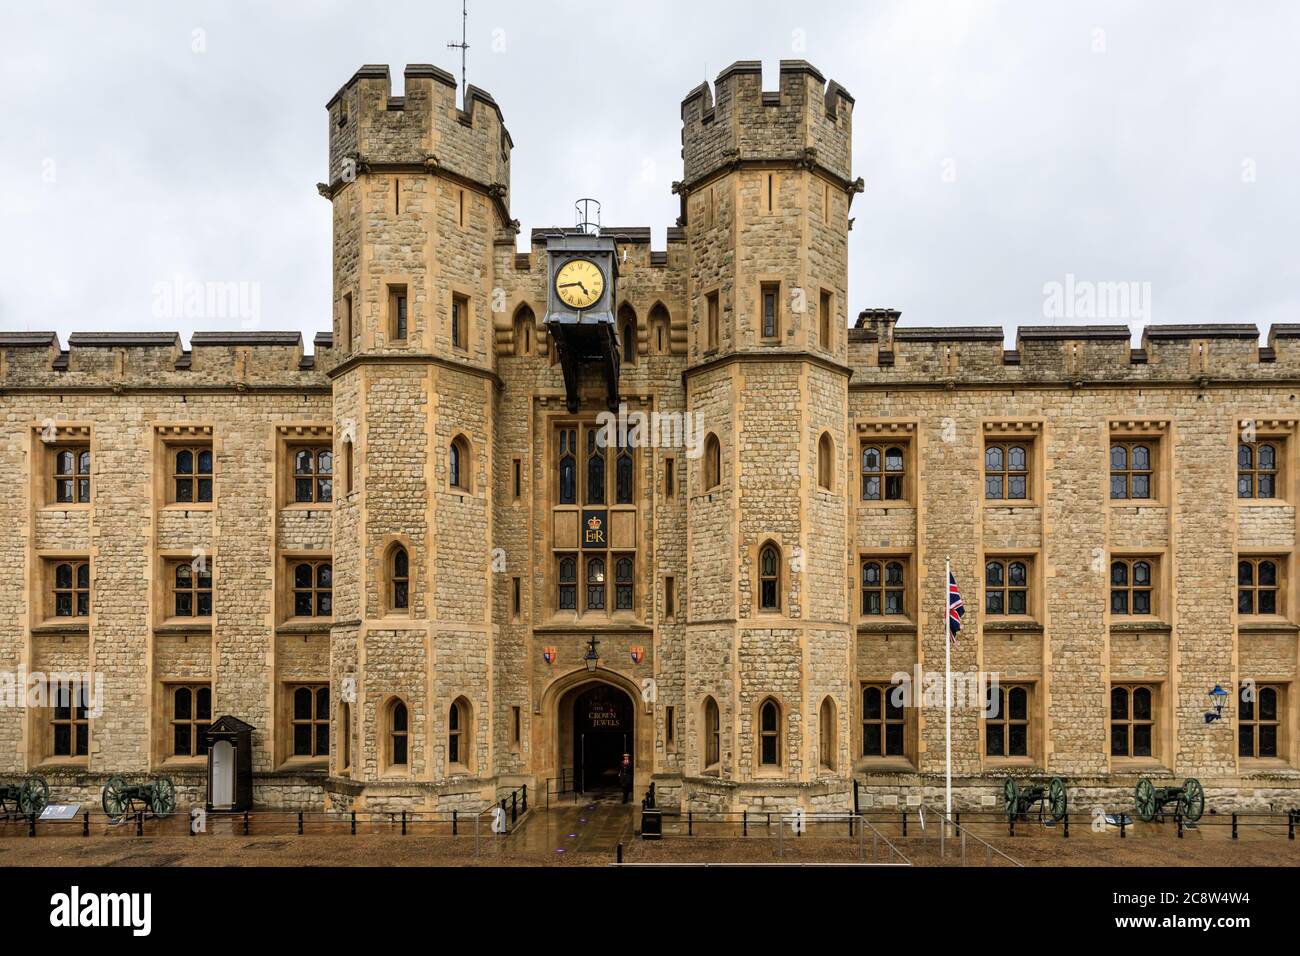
pixel 26 799
pixel 1150 801
pixel 158 796
pixel 1017 801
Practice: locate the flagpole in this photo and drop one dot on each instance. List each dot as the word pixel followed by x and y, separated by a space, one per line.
pixel 947 686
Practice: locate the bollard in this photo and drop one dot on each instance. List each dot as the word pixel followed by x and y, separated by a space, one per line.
pixel 245 823
pixel 744 823
pixel 299 823
pixel 85 824
pixel 690 823
pixel 1066 832
pixel 403 823
pixel 354 823
pixel 524 809
pixel 139 823
pixel 618 858
pixel 514 807
pixel 453 823
pixel 904 823
pixel 1234 825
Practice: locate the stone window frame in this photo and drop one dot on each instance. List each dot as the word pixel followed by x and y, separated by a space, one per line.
pixel 884 434
pixel 389 766
pixel 290 722
pixel 460 465
pixel 826 319
pixel 169 562
pixel 1158 564
pixel 75 589
pixel 1007 433
pixel 763 575
pixel 670 729
pixel 760 735
pixel 289 590
pixel 1033 595
pixel 461 736
pixel 347 321
pixel 1129 432
pixel 292 438
pixel 42 595
pixel 460 320
pixel 524 320
pixel 397 314
pixel 1157 722
pixel 711 464
pixel 342 751
pixel 170 440
pixel 1282 561
pixel 659 323
pixel 828 734
pixel 710 735
pixel 51 439
pixel 1032 723
pixel 78 716
pixel 885 558
pixel 198 747
pixel 826 471
pixel 628 323
pixel 1280 433
pixel 712 320
pixel 770 286
pixel 1282 688
pixel 885 686
pixel 391 605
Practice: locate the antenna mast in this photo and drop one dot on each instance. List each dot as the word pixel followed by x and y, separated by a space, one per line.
pixel 463 45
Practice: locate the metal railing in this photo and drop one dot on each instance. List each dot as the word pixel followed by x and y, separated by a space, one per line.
pixel 851 829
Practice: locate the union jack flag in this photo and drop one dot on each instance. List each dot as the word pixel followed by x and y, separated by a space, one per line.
pixel 956 609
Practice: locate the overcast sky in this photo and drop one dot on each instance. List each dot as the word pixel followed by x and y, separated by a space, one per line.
pixel 1005 146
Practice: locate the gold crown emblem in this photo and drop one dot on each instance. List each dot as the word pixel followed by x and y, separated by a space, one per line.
pixel 593 523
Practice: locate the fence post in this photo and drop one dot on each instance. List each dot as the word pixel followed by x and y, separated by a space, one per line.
pixel 1122 826
pixel 299 823
pixel 245 823
pixel 354 823
pixel 744 823
pixel 1179 818
pixel 855 795
pixel 403 823
pixel 618 858
pixel 956 818
pixel 1067 827
pixel 453 823
pixel 1290 827
pixel 85 824
pixel 31 824
pixel 139 823
pixel 904 823
pixel 690 823
pixel 1011 825
pixel 514 807
pixel 1234 824
pixel 525 806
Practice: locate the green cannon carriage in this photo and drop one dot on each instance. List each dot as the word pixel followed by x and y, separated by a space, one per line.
pixel 1018 800
pixel 26 799
pixel 121 799
pixel 1150 801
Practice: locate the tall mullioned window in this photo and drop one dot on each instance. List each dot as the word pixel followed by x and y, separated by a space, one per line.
pixel 70 721
pixel 72 589
pixel 1006 732
pixel 1260 723
pixel 1132 470
pixel 1132 720
pixel 884 586
pixel 1257 469
pixel 192 474
pixel 192 589
pixel 883 472
pixel 313 475
pixel 1006 586
pixel 769 578
pixel 1132 586
pixel 310 723
pixel 72 475
pixel 1258 585
pixel 1006 471
pixel 191 713
pixel 770 304
pixel 884 722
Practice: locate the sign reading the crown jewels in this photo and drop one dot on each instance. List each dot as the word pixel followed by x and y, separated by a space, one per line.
pixel 594 524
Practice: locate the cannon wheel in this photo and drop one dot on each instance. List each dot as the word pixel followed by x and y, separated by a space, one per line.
pixel 33 795
pixel 114 800
pixel 162 797
pixel 1056 800
pixel 1144 800
pixel 1192 800
pixel 1010 798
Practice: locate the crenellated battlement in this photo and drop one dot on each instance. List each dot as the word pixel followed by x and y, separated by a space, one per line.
pixel 885 356
pixel 158 361
pixel 371 129
pixel 805 121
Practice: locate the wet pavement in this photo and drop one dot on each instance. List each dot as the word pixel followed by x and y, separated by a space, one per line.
pixel 596 823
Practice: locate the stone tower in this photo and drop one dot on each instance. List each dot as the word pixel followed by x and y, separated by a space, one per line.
pixel 418 186
pixel 765 200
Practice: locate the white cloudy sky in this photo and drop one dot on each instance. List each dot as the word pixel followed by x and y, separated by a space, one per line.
pixel 1004 145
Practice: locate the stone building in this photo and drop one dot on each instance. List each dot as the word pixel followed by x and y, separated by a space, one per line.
pixel 381 555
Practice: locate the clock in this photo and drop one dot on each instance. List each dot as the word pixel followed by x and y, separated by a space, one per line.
pixel 579 283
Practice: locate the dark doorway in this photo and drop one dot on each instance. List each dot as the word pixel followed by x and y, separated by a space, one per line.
pixel 602 734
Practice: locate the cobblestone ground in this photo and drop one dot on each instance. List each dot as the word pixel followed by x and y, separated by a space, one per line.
pixel 588 832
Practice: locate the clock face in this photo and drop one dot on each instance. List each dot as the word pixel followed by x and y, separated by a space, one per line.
pixel 579 283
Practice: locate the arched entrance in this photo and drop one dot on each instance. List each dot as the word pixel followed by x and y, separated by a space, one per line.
pixel 597 727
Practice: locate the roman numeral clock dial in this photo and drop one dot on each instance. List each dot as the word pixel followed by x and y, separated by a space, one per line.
pixel 579 283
